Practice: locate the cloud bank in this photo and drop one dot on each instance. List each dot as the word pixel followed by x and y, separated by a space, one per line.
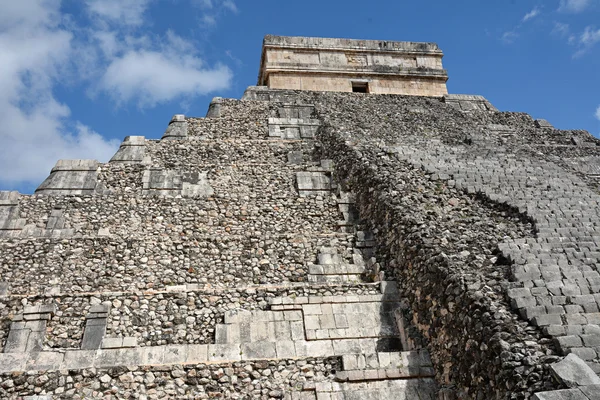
pixel 113 53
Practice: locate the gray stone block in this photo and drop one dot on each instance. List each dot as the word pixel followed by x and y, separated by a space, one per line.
pixel 295 158
pixel 45 361
pixel 177 129
pixel 214 109
pixel 175 354
pixel 542 123
pixel 591 391
pixel 160 182
pixel 17 340
pixel 258 350
pixel 71 177
pixel 78 359
pixel 572 371
pixel 569 394
pixel 10 362
pixel 131 151
pixel 197 353
pixel 93 334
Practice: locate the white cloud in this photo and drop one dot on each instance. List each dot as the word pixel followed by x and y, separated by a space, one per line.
pixel 230 5
pixel 597 114
pixel 531 14
pixel 126 12
pixel 573 6
pixel 213 10
pixel 590 36
pixel 208 20
pixel 561 29
pixel 34 126
pixel 509 37
pixel 153 75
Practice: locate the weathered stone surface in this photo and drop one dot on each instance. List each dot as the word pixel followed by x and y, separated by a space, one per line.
pixel 465 102
pixel 572 371
pixel 340 64
pixel 177 129
pixel 569 394
pixel 214 109
pixel 74 177
pixel 131 151
pixel 443 218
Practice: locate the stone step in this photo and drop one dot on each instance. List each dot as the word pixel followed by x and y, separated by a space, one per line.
pixel 335 279
pixel 390 389
pixel 300 111
pixel 293 128
pixel 383 365
pixel 335 269
pixel 71 177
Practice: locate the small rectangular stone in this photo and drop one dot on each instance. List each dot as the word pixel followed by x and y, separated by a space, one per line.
pixel 12 362
pixel 175 354
pixel 224 352
pixel 130 341
pixel 258 350
pixel 152 355
pixel 292 315
pixel 346 346
pixel 106 358
pixel 197 353
pixel 591 340
pixel 319 348
pixel 99 308
pixel 93 335
pixel 285 349
pixel 312 309
pixel 17 341
pixel 518 292
pixel 569 341
pixel 45 361
pixel 547 319
pixel 584 353
pixel 297 330
pixel 112 343
pixel 78 359
pixel 567 394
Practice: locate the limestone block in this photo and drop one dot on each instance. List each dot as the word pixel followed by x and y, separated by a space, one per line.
pixel 214 109
pixel 298 111
pixel 45 361
pixel 160 182
pixel 568 394
pixel 10 362
pixel 295 158
pixel 93 333
pixel 572 371
pixel 78 359
pixel 293 128
pixel 591 391
pixel 197 353
pixel 257 93
pixel 542 123
pixel 10 222
pixel 313 182
pixel 131 151
pixel 177 129
pixel 71 177
pixel 465 102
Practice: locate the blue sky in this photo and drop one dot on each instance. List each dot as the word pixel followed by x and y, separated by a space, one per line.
pixel 77 76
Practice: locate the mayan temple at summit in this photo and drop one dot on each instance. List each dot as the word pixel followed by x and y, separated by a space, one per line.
pixel 347 230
